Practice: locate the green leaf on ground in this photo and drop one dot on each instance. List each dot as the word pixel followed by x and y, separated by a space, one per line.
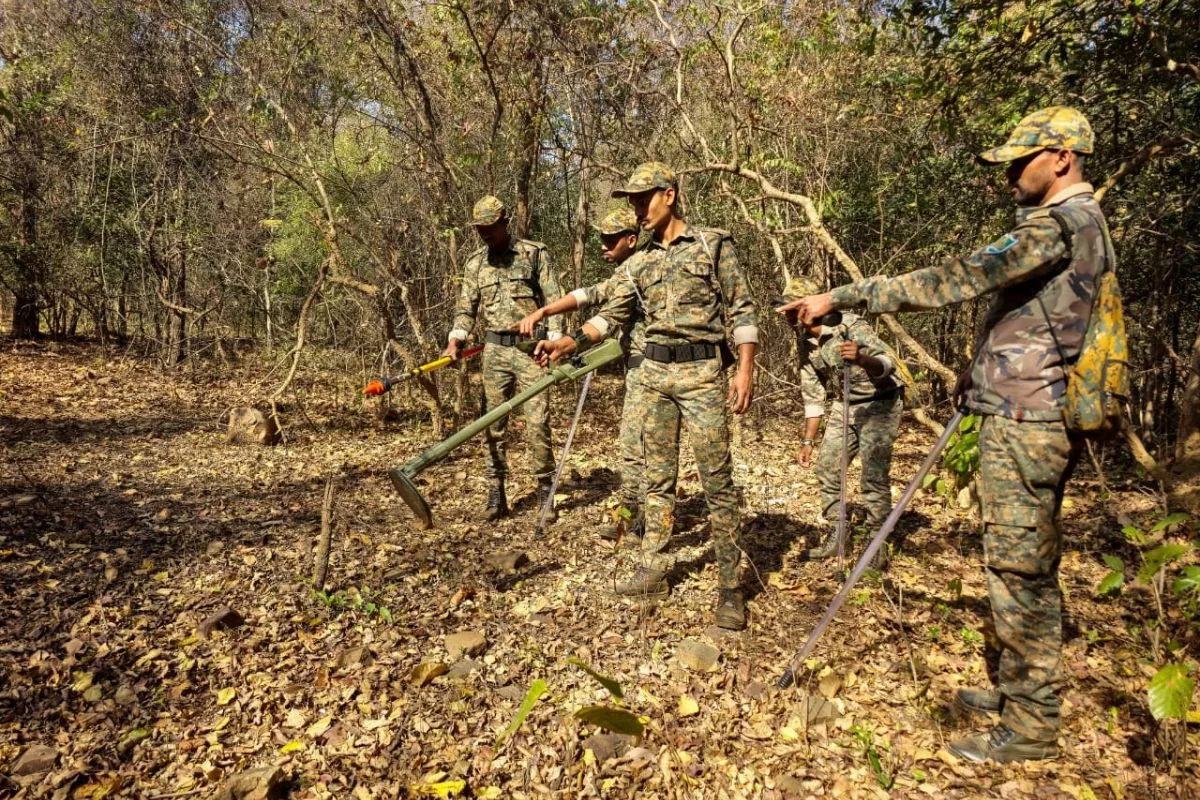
pixel 608 683
pixel 536 690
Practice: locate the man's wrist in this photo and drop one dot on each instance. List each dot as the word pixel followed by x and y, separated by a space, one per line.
pixel 807 442
pixel 582 340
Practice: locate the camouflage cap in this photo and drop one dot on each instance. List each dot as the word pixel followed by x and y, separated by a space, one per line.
pixel 488 211
pixel 800 286
pixel 619 220
pixel 1056 127
pixel 648 176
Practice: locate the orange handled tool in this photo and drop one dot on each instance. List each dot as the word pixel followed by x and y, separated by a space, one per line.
pixel 381 385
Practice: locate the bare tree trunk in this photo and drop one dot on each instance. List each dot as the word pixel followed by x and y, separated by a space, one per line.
pixel 28 264
pixel 1188 444
pixel 177 319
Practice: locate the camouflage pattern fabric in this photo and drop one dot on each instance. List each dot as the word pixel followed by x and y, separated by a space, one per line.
pixel 872 433
pixel 1053 128
pixel 619 220
pixel 688 288
pixel 691 393
pixel 1025 454
pixel 507 284
pixel 821 364
pixel 1024 467
pixel 1020 370
pixel 647 176
pixel 633 411
pixel 507 371
pixel 488 211
pixel 631 443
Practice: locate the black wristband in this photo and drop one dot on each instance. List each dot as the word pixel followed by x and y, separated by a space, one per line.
pixel 807 442
pixel 582 340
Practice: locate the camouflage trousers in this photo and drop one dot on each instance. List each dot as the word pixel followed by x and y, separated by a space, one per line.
pixel 692 393
pixel 630 443
pixel 873 429
pixel 507 371
pixel 1024 467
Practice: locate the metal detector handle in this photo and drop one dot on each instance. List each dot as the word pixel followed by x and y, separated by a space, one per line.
pixel 789 676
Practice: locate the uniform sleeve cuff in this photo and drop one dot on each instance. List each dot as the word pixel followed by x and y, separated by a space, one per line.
pixel 889 366
pixel 745 334
pixel 600 324
pixel 581 297
pixel 458 333
pixel 552 335
pixel 814 410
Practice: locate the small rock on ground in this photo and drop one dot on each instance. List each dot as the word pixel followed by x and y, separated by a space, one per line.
pixel 510 561
pixel 463 668
pixel 465 643
pixel 266 783
pixel 607 745
pixel 37 759
pixel 697 656
pixel 224 618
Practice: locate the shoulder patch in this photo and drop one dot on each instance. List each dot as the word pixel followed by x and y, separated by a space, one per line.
pixel 1002 245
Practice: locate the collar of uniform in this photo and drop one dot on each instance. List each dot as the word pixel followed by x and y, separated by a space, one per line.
pixel 689 232
pixel 1071 191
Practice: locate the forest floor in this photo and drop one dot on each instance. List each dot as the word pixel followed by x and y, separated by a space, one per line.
pixel 126 520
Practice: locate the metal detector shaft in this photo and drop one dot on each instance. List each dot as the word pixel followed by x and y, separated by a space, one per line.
pixel 591 360
pixel 562 460
pixel 789 676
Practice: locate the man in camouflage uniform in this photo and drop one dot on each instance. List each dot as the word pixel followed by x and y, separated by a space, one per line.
pixel 618 239
pixel 509 277
pixel 1045 273
pixel 874 408
pixel 690 284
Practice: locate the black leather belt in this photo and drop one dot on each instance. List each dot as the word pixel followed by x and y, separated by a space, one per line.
pixel 502 338
pixel 887 394
pixel 635 361
pixel 680 353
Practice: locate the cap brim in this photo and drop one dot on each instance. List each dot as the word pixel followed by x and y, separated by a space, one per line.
pixel 1007 153
pixel 627 192
pixel 481 224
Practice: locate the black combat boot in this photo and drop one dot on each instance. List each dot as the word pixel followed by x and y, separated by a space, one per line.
pixel 1002 744
pixel 731 610
pixel 978 701
pixel 545 491
pixel 497 503
pixel 645 582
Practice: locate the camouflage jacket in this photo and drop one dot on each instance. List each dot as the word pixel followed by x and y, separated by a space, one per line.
pixel 598 294
pixel 688 288
pixel 1045 281
pixel 508 283
pixel 821 364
